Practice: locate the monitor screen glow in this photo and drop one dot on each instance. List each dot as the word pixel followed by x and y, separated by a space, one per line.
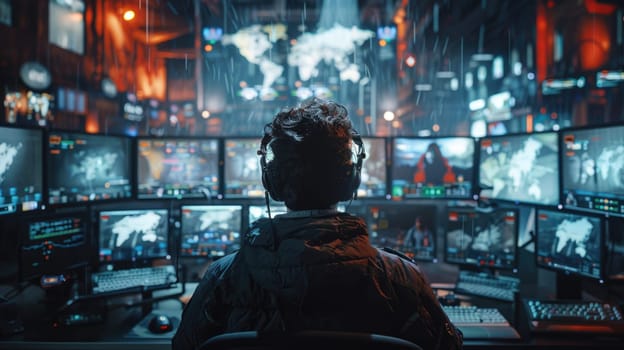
pixel 522 168
pixel 408 228
pixel 593 169
pixel 569 242
pixel 482 240
pixel 210 231
pixel 242 173
pixel 177 168
pixel 373 176
pixel 87 167
pixel 21 170
pixel 433 168
pixel 135 234
pixel 53 245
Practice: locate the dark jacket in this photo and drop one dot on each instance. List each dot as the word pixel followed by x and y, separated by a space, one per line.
pixel 315 272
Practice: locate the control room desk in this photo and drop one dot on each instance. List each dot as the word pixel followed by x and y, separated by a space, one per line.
pixel 125 328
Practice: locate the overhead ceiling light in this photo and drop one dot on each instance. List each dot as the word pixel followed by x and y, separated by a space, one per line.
pixel 476 104
pixel 388 116
pixel 410 61
pixel 482 57
pixel 423 87
pixel 424 133
pixel 445 74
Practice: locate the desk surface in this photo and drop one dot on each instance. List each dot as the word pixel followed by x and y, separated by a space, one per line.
pixel 126 328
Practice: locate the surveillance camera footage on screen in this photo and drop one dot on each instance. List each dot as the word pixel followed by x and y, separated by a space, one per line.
pixel 433 168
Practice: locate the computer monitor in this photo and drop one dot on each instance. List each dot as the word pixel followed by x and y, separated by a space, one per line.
pixel 21 170
pixel 87 167
pixel 373 176
pixel 242 173
pixel 260 211
pixel 433 167
pixel 133 235
pixel 408 228
pixel 593 169
pixel 210 231
pixel 53 245
pixel 177 168
pixel 521 168
pixel 479 240
pixel 569 242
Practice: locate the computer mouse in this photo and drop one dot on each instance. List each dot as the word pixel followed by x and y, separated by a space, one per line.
pixel 160 324
pixel 449 299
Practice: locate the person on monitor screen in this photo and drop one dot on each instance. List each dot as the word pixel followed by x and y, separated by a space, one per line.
pixel 433 168
pixel 313 267
pixel 417 237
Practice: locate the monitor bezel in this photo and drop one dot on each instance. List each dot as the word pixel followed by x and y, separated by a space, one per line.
pixel 471 209
pixel 43 202
pixel 213 194
pixel 564 190
pixel 130 166
pixel 478 183
pixel 602 236
pixel 240 207
pixel 391 167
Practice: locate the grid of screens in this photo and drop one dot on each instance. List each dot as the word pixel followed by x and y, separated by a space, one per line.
pixel 407 228
pixel 433 168
pixel 242 173
pixel 373 174
pixel 177 168
pixel 520 168
pixel 210 230
pixel 21 170
pixel 86 167
pixel 479 239
pixel 593 169
pixel 53 245
pixel 569 242
pixel 131 235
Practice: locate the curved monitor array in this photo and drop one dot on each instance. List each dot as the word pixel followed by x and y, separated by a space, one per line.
pixel 577 168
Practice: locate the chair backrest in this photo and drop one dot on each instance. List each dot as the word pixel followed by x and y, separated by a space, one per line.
pixel 319 340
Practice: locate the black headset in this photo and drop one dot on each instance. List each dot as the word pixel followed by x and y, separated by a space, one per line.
pixel 269 171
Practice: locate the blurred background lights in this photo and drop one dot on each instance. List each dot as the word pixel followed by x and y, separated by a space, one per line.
pixel 129 15
pixel 388 116
pixel 410 61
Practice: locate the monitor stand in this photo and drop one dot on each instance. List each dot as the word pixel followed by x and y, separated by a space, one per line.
pixel 569 287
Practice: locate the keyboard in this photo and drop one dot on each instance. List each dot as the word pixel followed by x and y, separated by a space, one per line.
pixel 485 285
pixel 140 278
pixel 573 316
pixel 480 323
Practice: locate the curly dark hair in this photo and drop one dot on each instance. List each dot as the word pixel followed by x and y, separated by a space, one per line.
pixel 312 158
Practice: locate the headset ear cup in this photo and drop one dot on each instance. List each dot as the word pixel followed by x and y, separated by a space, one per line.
pixel 270 181
pixel 357 178
pixel 356 171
